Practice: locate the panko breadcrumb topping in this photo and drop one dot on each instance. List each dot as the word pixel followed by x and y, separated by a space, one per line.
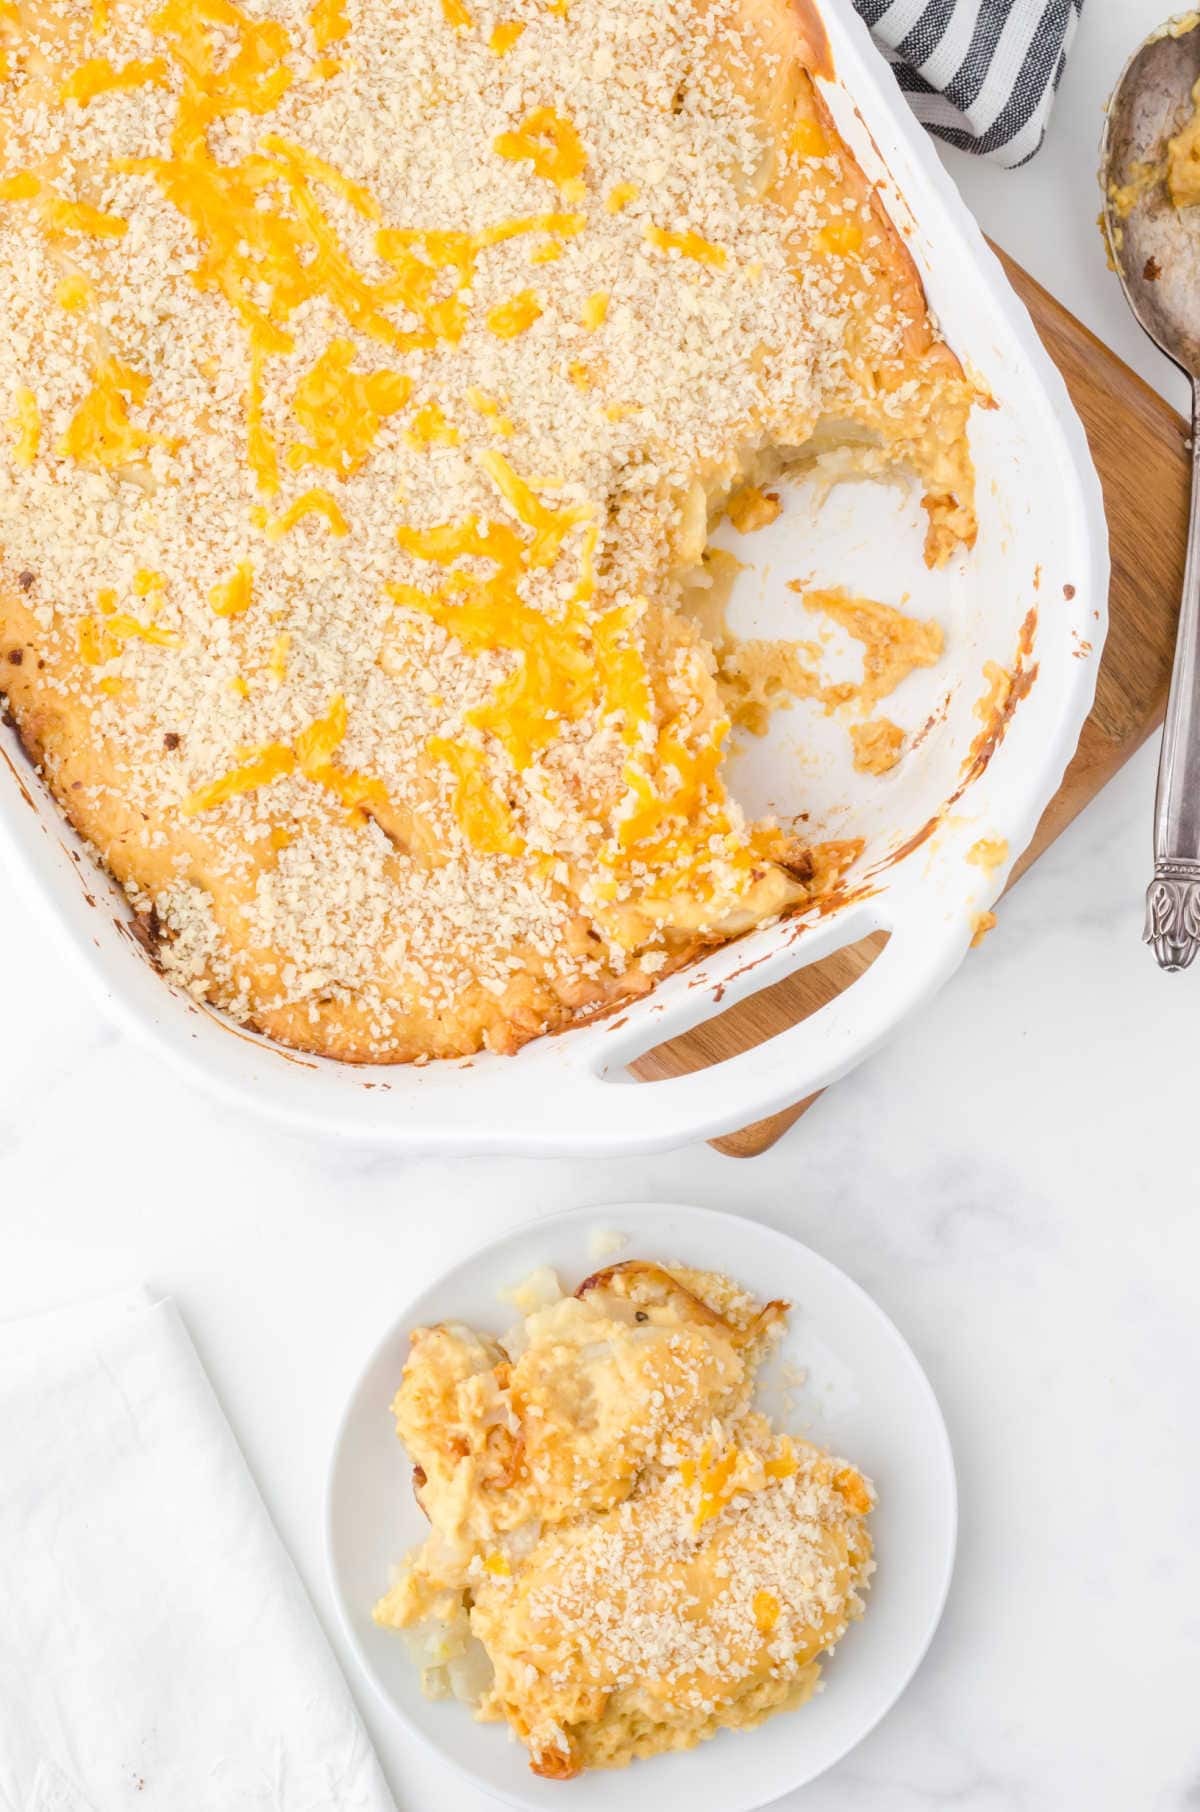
pixel 368 379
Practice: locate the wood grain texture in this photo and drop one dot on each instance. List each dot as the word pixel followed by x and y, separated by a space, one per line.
pixel 1140 448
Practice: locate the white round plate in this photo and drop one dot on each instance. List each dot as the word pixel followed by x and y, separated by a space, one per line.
pixel 863 1395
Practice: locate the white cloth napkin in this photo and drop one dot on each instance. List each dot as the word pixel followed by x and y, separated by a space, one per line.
pixel 981 74
pixel 157 1649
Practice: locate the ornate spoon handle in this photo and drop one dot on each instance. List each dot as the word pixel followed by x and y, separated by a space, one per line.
pixel 1173 897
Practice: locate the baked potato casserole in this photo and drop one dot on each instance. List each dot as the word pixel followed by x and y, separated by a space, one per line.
pixel 624 1556
pixel 371 373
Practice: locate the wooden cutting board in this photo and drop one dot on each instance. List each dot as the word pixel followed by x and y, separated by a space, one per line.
pixel 1140 448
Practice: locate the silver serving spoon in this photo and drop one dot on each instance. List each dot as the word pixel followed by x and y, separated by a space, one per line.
pixel 1156 250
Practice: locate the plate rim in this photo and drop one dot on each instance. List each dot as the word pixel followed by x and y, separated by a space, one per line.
pixel 600 1214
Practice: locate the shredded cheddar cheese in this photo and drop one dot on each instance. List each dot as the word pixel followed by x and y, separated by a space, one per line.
pixel 314 753
pixel 101 434
pixel 431 429
pixel 510 318
pixel 505 35
pixel 61 215
pixel 311 753
pixel 97 76
pixel 488 407
pixel 73 293
pixel 260 768
pixel 551 144
pixel 316 502
pixel 687 244
pixel 484 816
pixel 100 638
pixel 233 597
pixel 841 238
pixel 23 186
pixel 595 310
pixel 343 410
pixel 620 196
pixel 808 139
pixel 328 23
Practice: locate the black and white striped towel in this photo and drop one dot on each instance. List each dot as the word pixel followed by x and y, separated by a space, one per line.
pixel 980 73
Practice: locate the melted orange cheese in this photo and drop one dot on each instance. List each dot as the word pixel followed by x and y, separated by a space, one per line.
pixel 688 244
pixel 234 596
pixel 100 637
pixel 808 139
pixel 73 293
pixel 765 1608
pixel 328 22
pixel 316 502
pixel 101 434
pixel 549 142
pixel 312 752
pixel 61 216
pixel 484 816
pixel 97 76
pixel 510 318
pixel 504 36
pixel 430 428
pixel 260 767
pixel 841 238
pixel 343 410
pixel 561 662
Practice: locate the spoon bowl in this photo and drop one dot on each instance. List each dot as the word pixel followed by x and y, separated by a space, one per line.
pixel 1155 245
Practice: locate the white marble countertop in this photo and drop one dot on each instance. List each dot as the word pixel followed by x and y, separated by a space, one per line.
pixel 1015 1180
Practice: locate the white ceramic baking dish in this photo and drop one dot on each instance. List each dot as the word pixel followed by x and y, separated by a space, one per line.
pixel 1042 546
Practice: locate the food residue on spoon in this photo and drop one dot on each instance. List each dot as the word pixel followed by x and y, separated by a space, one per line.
pixel 1183 160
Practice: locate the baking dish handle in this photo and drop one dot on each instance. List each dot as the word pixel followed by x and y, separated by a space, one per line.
pixel 782 1070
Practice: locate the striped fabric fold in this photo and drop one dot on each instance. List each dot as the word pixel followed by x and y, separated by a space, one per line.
pixel 981 74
